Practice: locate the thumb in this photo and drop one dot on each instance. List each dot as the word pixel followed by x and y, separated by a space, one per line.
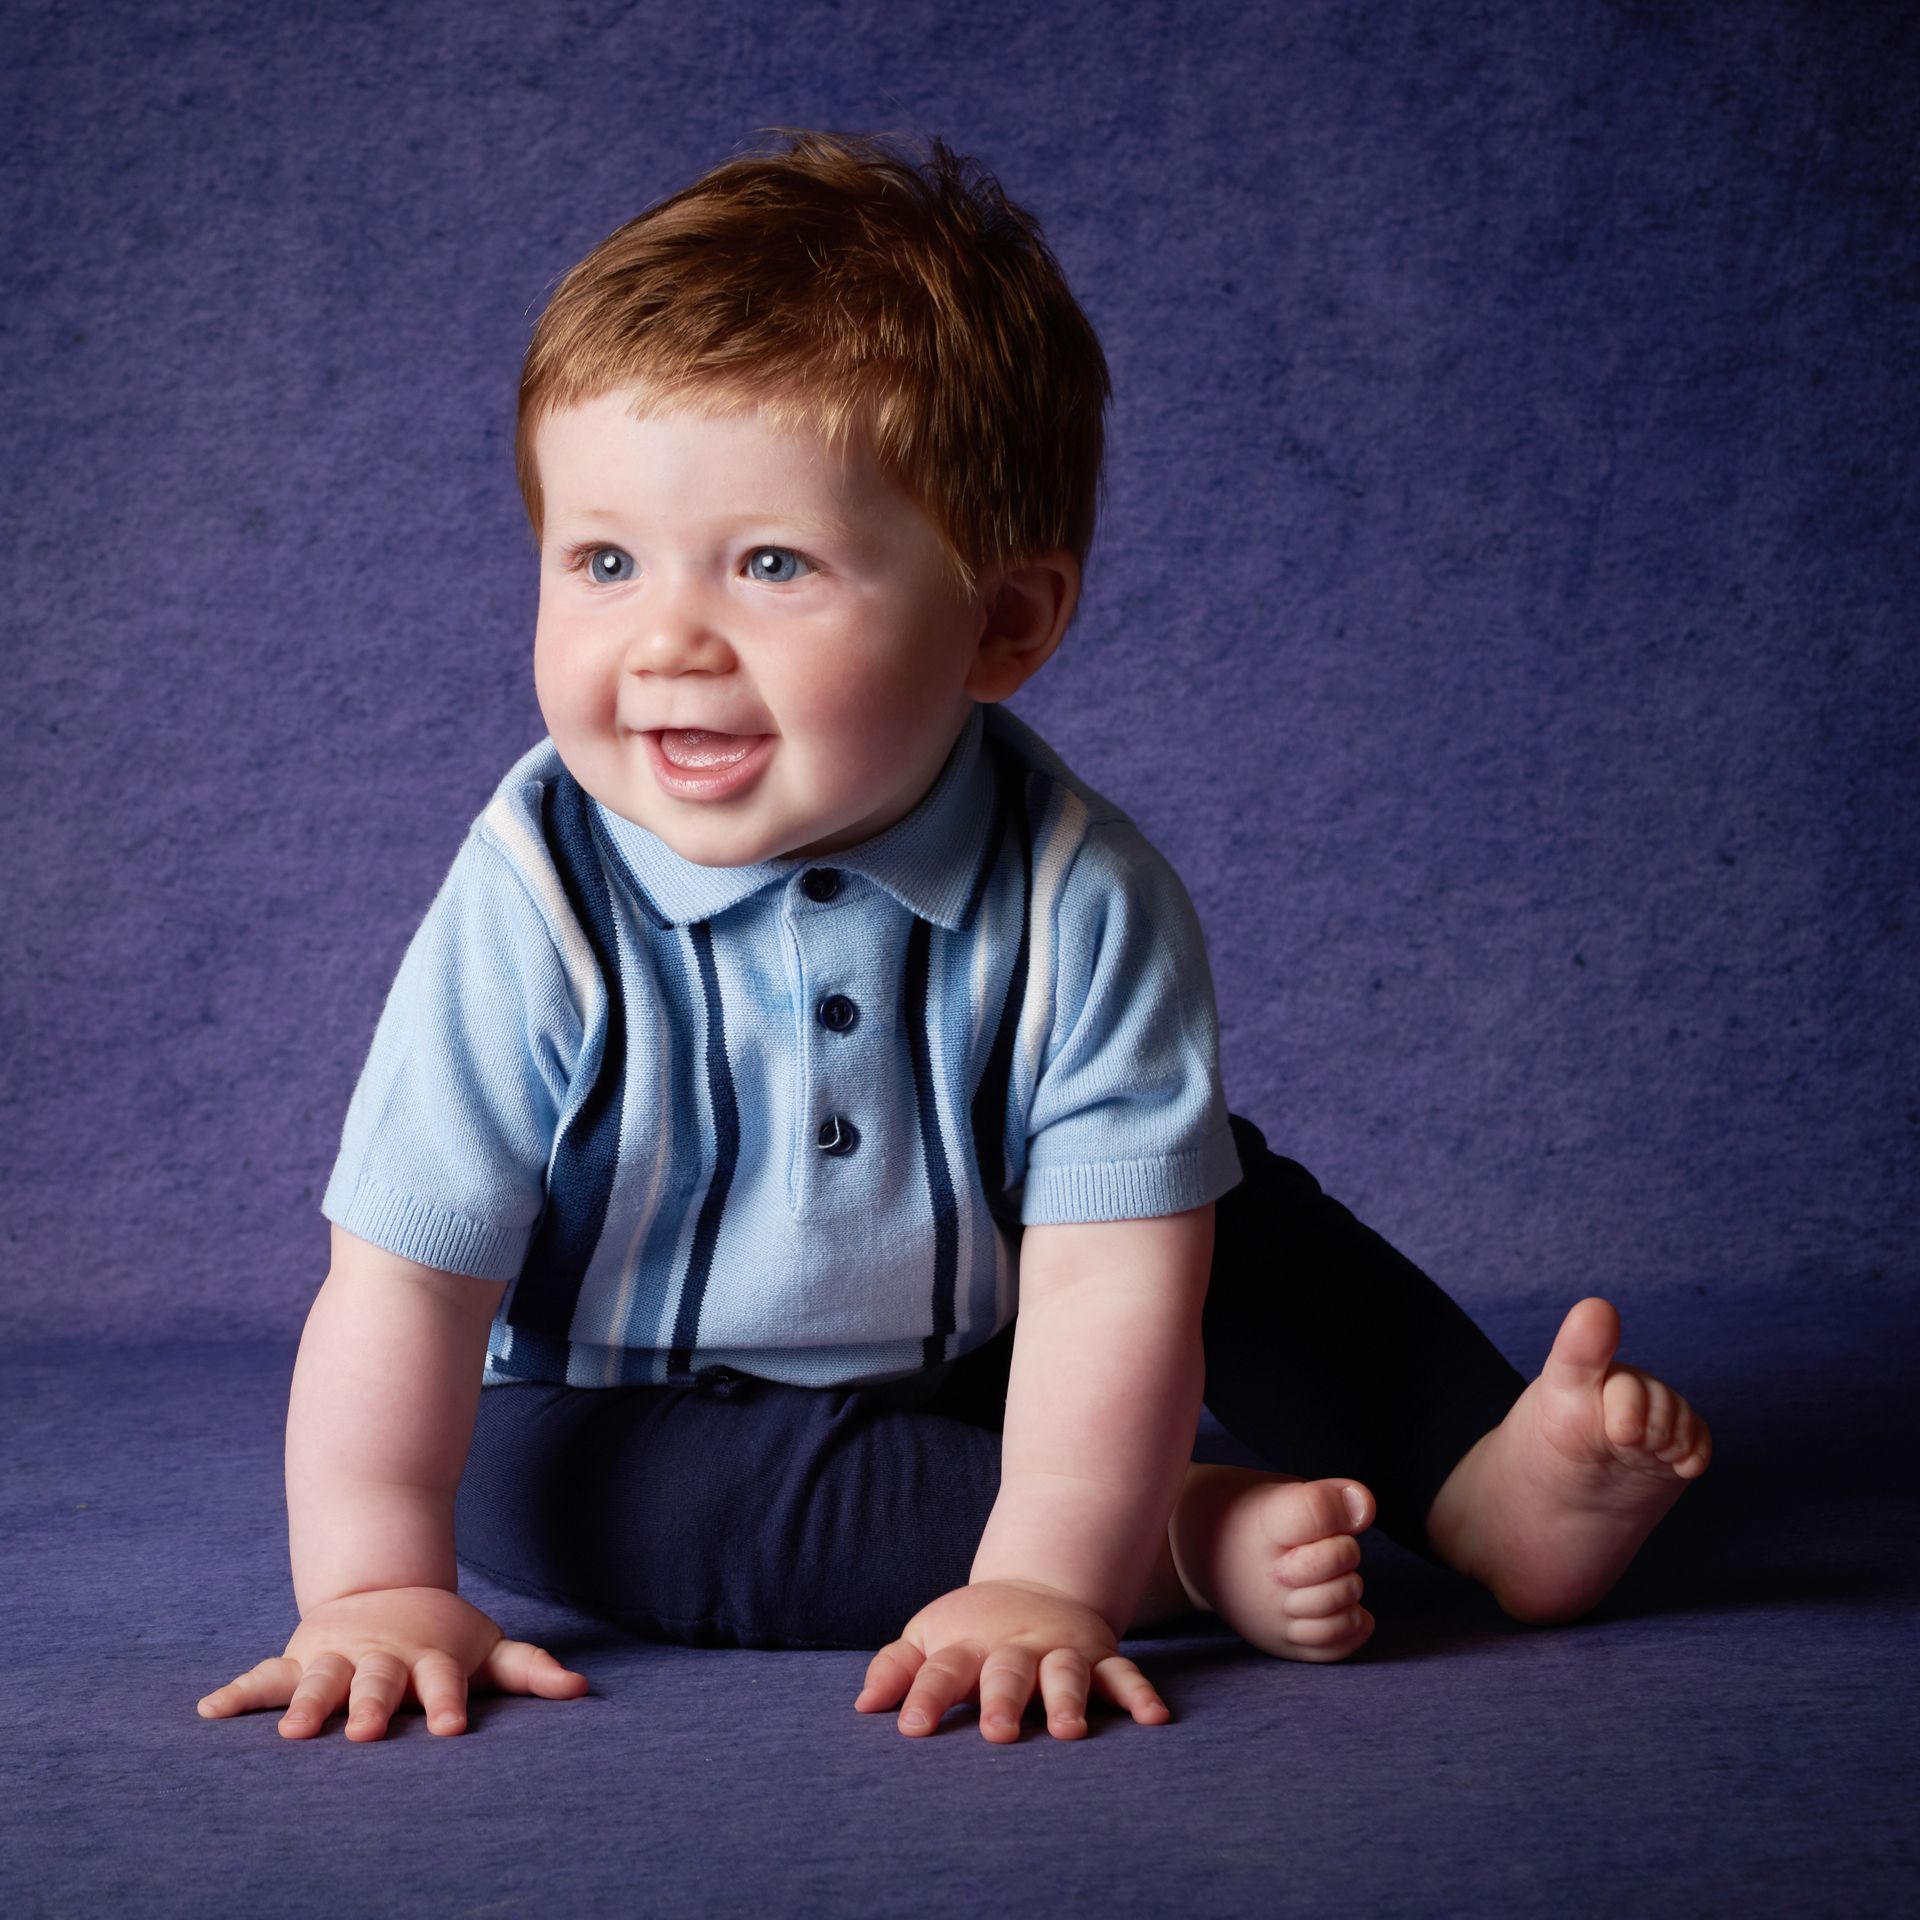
pixel 1583 1349
pixel 518 1666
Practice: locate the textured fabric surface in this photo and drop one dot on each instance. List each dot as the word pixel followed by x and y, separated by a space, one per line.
pixel 1733 1734
pixel 1502 615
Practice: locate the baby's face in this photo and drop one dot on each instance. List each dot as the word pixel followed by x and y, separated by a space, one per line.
pixel 708 576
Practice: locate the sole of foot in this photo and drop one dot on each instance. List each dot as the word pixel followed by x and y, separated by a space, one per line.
pixel 1548 1510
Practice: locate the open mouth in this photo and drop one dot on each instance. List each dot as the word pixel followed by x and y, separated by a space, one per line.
pixel 695 763
pixel 697 750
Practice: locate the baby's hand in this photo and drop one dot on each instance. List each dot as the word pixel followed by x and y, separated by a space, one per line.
pixel 373 1650
pixel 994 1639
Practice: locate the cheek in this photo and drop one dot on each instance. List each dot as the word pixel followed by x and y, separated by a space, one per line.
pixel 858 725
pixel 566 679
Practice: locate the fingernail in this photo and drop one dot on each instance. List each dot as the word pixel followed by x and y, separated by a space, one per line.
pixel 1356 1504
pixel 913 1722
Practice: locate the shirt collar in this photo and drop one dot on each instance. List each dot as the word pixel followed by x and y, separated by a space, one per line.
pixel 929 860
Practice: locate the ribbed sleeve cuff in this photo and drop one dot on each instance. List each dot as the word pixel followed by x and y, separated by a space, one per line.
pixel 1132 1189
pixel 417 1230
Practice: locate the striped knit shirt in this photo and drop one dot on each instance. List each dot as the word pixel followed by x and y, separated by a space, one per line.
pixel 790 1118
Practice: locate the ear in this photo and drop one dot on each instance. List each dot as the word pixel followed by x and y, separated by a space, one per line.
pixel 1025 615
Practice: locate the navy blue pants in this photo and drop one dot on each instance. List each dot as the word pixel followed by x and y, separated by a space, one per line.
pixel 743 1512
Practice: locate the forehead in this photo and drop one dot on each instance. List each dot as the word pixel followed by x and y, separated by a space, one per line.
pixel 624 449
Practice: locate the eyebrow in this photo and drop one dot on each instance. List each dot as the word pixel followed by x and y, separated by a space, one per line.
pixel 815 529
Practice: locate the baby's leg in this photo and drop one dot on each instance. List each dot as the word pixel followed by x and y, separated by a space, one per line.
pixel 1329 1352
pixel 734 1513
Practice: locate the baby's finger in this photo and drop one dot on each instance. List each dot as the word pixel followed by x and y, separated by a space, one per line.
pixel 1126 1686
pixel 1064 1679
pixel 442 1687
pixel 270 1684
pixel 379 1685
pixel 518 1666
pixel 321 1691
pixel 1006 1685
pixel 944 1679
pixel 889 1674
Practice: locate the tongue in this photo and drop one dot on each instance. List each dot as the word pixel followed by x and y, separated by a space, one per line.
pixel 692 747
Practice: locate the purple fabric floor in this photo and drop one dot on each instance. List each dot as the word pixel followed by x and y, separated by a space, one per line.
pixel 1502 618
pixel 1732 1734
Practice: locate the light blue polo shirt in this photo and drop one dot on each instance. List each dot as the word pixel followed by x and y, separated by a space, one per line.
pixel 788 1118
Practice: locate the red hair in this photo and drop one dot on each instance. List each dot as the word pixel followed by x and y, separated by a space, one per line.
pixel 847 287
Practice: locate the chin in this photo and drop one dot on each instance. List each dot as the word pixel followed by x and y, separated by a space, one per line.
pixel 717 847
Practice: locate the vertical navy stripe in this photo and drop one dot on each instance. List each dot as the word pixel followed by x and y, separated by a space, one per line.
pixel 726 1156
pixel 581 1180
pixel 916 1011
pixel 991 1096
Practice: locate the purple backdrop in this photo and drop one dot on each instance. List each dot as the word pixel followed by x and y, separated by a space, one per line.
pixel 1502 614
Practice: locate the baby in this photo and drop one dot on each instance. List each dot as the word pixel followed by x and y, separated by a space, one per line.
pixel 790 1180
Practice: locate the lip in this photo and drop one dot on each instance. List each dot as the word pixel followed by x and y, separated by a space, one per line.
pixel 721 783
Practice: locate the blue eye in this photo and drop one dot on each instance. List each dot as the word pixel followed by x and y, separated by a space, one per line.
pixel 779 557
pixel 608 566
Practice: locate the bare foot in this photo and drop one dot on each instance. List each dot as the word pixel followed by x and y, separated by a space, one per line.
pixel 1273 1557
pixel 1549 1508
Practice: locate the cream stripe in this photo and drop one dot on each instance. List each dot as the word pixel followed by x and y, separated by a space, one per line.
pixel 535 867
pixel 1050 865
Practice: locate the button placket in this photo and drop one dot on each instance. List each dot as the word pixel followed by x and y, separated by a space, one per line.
pixel 827 1080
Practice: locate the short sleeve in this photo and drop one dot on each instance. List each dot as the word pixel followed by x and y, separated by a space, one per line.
pixel 444 1153
pixel 1128 1120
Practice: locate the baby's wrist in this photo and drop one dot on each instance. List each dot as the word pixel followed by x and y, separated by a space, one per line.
pixel 1086 1567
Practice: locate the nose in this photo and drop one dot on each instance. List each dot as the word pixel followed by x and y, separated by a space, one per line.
pixel 677 628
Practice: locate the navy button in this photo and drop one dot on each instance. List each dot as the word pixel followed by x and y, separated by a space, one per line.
pixel 821 883
pixel 837 1135
pixel 838 1012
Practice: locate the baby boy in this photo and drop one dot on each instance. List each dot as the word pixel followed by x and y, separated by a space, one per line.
pixel 796 1040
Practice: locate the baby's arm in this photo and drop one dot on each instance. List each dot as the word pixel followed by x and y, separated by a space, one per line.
pixel 385 1390
pixel 1102 1404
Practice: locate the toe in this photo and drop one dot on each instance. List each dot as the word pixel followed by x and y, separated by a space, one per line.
pixel 1318 1560
pixel 1680 1433
pixel 1324 1601
pixel 1693 1463
pixel 1584 1347
pixel 1624 1402
pixel 1332 1638
pixel 1660 1413
pixel 1299 1511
